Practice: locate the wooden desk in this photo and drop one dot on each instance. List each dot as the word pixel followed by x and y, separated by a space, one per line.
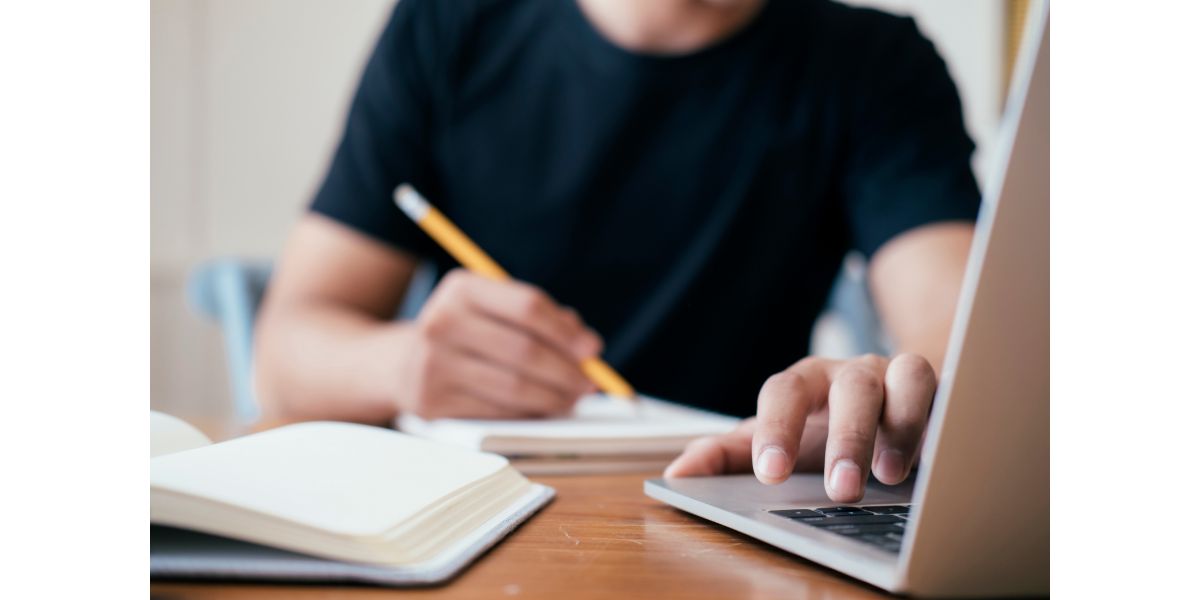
pixel 600 538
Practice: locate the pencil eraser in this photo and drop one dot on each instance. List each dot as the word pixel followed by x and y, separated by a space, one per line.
pixel 411 202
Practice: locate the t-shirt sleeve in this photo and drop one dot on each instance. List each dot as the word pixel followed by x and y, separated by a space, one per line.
pixel 910 156
pixel 385 141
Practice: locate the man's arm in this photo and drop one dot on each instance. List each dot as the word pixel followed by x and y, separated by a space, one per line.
pixel 328 348
pixel 860 415
pixel 915 281
pixel 324 345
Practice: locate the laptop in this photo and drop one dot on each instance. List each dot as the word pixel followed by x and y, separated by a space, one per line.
pixel 975 520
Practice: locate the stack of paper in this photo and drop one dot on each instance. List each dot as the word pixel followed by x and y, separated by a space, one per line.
pixel 603 435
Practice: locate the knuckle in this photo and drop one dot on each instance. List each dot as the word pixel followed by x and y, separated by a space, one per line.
pixel 808 362
pixel 448 293
pixel 456 285
pixel 776 425
pixel 573 317
pixel 872 361
pixel 456 278
pixel 785 383
pixel 856 378
pixel 772 423
pixel 524 348
pixel 448 287
pixel 434 324
pixel 852 437
pixel 531 302
pixel 911 368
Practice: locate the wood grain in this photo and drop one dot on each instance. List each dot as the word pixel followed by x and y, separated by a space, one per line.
pixel 600 538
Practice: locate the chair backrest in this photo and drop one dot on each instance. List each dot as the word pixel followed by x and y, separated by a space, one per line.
pixel 229 291
pixel 851 304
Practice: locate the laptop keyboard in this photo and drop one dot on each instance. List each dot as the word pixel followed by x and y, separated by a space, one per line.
pixel 880 526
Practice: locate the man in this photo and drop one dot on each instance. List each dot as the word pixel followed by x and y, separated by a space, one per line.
pixel 675 182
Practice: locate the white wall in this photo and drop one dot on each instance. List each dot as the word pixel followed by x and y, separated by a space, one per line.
pixel 247 101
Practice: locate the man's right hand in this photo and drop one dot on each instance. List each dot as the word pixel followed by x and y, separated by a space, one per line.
pixel 488 349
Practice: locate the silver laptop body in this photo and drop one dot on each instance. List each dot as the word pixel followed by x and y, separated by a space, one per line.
pixel 979 522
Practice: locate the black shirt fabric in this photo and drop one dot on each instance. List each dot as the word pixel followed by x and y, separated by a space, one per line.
pixel 694 209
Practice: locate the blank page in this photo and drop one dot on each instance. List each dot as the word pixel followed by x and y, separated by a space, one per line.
pixel 338 477
pixel 596 417
pixel 169 434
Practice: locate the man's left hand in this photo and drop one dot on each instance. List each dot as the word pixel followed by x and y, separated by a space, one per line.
pixel 855 416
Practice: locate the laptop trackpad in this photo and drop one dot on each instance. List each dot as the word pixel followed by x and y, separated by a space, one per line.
pixel 742 493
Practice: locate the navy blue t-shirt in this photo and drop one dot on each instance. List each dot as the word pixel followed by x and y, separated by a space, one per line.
pixel 694 209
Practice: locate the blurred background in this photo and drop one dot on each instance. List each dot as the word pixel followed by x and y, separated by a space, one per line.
pixel 247 102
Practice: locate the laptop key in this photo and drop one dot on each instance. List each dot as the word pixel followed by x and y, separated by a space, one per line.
pixel 843 510
pixel 888 510
pixel 857 530
pixel 799 513
pixel 881 541
pixel 833 521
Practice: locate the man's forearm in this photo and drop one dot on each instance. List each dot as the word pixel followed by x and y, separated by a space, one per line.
pixel 327 362
pixel 916 280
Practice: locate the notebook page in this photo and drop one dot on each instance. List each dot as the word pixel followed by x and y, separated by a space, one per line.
pixel 596 416
pixel 337 477
pixel 169 434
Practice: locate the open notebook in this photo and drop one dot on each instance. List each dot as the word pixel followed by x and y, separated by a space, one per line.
pixel 326 502
pixel 603 435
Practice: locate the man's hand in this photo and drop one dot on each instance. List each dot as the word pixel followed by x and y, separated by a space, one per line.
pixel 487 349
pixel 853 417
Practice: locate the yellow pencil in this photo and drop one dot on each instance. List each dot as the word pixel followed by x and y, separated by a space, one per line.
pixel 473 257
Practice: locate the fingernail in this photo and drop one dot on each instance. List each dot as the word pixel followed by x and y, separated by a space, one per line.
pixel 890 466
pixel 846 478
pixel 772 463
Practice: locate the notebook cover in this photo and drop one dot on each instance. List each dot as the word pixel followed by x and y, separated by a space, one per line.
pixel 182 554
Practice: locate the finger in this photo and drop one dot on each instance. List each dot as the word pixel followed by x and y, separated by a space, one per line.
pixel 530 308
pixel 784 404
pixel 715 455
pixel 529 355
pixel 505 387
pixel 576 322
pixel 855 402
pixel 909 384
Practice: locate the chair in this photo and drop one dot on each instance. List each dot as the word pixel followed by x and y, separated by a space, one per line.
pixel 851 304
pixel 230 290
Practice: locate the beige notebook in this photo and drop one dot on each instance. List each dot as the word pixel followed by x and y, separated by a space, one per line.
pixel 602 435
pixel 410 508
